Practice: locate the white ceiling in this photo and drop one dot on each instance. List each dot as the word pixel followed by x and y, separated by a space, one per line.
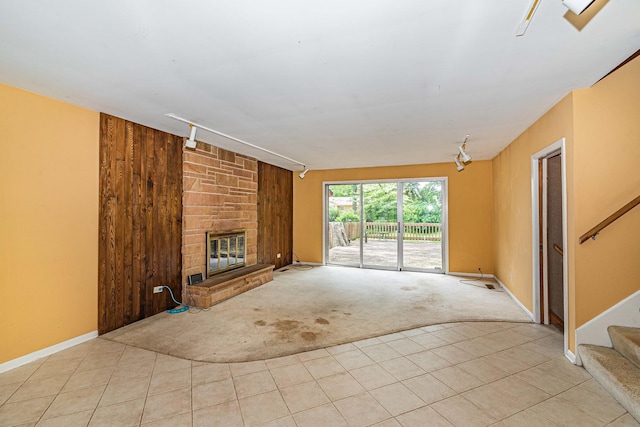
pixel 332 84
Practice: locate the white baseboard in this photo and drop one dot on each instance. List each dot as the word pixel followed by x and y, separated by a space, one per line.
pixel 624 313
pixel 28 358
pixel 516 300
pixel 572 357
pixel 484 276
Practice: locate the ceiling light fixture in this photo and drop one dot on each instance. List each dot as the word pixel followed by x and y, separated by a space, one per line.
pixel 462 157
pixel 194 125
pixel 191 142
pixel 303 173
pixel 577 6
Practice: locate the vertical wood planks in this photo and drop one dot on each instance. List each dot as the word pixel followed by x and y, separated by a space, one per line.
pixel 139 223
pixel 275 215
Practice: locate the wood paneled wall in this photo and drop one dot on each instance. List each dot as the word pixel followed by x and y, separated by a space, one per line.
pixel 275 215
pixel 140 224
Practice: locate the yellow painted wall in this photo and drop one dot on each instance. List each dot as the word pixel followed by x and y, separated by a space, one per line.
pixel 48 222
pixel 470 204
pixel 607 176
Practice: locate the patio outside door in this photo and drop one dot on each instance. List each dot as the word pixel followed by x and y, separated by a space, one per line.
pixel 397 225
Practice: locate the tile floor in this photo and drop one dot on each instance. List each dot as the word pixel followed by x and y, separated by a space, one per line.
pixel 461 374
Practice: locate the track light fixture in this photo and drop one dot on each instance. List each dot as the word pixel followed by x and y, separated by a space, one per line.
pixel 577 6
pixel 462 157
pixel 191 142
pixel 303 173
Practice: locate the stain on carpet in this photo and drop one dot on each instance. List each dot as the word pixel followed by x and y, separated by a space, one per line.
pixel 308 336
pixel 322 321
pixel 257 309
pixel 409 288
pixel 260 323
pixel 347 314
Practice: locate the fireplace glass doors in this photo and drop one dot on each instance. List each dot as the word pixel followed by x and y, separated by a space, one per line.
pixel 225 251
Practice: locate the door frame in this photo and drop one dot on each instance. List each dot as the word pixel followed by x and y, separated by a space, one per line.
pixel 539 295
pixel 444 212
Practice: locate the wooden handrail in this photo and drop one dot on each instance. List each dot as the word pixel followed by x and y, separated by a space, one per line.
pixel 617 214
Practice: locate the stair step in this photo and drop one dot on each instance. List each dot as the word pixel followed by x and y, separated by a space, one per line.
pixel 626 341
pixel 615 373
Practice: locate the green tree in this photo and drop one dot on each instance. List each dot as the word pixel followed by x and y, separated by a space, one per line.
pixel 348 216
pixel 423 202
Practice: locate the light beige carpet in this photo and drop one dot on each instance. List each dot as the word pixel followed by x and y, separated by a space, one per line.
pixel 305 310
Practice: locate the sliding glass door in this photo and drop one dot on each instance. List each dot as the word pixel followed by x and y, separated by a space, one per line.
pixel 399 225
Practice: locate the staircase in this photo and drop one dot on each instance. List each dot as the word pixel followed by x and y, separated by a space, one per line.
pixel 617 369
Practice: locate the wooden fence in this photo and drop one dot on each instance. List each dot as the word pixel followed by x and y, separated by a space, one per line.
pixel 429 232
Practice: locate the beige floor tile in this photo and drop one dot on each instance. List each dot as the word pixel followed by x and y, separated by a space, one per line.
pixel 75 401
pixel 135 355
pixel 25 411
pixel 263 408
pixel 448 336
pixel 181 420
pixel 222 415
pixel 544 381
pixel 546 347
pixel 304 396
pixel 521 391
pixel 429 341
pixel 397 399
pixel 7 391
pixel 33 388
pixel 209 372
pixel 436 327
pixel 282 361
pixel 452 354
pixel 239 369
pixel 99 360
pixel 428 388
pixel 412 332
pixel 78 419
pixel 367 342
pixel 106 346
pixel 593 400
pixel 562 412
pixel 167 405
pixel 380 352
pixel 507 339
pixel 86 379
pixel 391 422
pixel 122 391
pixel 527 418
pixel 361 410
pixel 166 363
pixel 353 359
pixel 428 360
pixel 483 370
pixel 477 347
pixel 491 400
pixel 314 354
pixel 460 412
pixel 373 376
pixel 341 348
pixel 19 374
pixel 560 368
pixel 289 375
pixel 406 346
pixel 402 368
pixel 503 361
pixel 391 337
pixel 252 384
pixel 321 416
pixel 287 421
pixel 533 331
pixel 57 368
pixel 128 371
pixel 168 381
pixel 457 379
pixel 624 421
pixel 80 350
pixel 339 386
pixel 121 414
pixel 323 367
pixel 213 393
pixel 470 330
pixel 425 416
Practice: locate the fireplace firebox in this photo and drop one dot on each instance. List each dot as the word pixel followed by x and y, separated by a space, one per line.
pixel 225 251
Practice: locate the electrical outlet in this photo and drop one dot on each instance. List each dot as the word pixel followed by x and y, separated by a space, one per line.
pixel 279 255
pixel 157 289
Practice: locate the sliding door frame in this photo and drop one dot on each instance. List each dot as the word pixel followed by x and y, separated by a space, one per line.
pixel 400 267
